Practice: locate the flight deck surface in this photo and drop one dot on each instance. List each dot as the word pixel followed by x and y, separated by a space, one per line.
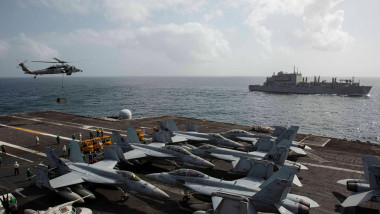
pixel 329 160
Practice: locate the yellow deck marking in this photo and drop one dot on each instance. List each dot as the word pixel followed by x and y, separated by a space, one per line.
pixel 27 130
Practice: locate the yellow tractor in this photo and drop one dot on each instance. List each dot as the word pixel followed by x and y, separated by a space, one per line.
pixel 95 144
pixel 140 134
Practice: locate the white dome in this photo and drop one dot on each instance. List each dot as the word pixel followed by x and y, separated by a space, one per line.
pixel 125 114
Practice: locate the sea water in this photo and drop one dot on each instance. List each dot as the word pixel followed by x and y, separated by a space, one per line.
pixel 225 99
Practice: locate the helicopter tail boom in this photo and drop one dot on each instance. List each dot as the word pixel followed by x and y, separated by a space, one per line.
pixel 25 69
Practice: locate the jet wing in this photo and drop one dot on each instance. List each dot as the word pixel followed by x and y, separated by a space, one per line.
pixel 228 204
pixel 136 153
pixel 229 158
pixel 105 164
pixel 178 139
pixel 247 139
pixel 298 150
pixel 68 179
pixel 358 198
pixel 206 190
pixel 249 182
pixel 193 138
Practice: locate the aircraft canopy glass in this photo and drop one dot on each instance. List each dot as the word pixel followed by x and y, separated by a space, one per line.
pixel 207 147
pixel 188 173
pixel 178 149
pixel 129 175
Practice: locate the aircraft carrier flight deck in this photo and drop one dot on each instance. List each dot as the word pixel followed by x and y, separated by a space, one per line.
pixel 329 160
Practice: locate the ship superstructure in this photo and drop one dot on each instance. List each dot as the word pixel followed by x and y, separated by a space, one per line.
pixel 296 84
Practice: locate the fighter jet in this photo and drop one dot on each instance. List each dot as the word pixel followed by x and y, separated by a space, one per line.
pixel 192 134
pixel 364 189
pixel 77 172
pixel 62 208
pixel 278 154
pixel 271 195
pixel 278 134
pixel 155 152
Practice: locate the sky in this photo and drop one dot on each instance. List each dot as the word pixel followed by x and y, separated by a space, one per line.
pixel 193 38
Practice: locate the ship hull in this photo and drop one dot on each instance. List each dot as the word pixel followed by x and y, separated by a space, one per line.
pixel 311 89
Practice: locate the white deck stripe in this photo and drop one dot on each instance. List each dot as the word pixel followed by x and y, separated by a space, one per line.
pixel 23 149
pixel 15 156
pixel 77 125
pixel 332 167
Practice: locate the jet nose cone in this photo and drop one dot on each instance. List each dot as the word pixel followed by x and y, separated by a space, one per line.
pixel 208 164
pixel 158 193
pixel 234 144
pixel 152 176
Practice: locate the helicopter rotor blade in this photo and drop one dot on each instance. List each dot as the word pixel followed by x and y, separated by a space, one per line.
pixel 44 61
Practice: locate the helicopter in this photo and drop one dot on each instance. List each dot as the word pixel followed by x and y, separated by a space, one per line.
pixel 54 69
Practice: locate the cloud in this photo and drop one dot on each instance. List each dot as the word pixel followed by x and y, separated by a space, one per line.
pixel 213 15
pixel 72 6
pixel 261 9
pixel 141 10
pixel 324 29
pixel 190 42
pixel 4 47
pixel 34 48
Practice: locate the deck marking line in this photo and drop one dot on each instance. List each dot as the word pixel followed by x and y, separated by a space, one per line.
pixel 81 126
pixel 41 133
pixel 332 167
pixel 15 156
pixel 23 149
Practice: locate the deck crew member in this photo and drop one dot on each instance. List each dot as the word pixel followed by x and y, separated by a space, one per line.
pixel 101 132
pixel 16 166
pixel 29 174
pixel 37 141
pixel 73 136
pixel 64 149
pixel 97 131
pixel 58 141
pixel 80 136
pixel 3 149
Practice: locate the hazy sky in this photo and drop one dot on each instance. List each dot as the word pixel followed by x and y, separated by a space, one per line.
pixel 185 37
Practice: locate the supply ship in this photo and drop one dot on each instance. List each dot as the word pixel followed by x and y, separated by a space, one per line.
pixel 294 83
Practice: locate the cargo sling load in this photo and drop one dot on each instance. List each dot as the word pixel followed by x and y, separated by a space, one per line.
pixel 294 83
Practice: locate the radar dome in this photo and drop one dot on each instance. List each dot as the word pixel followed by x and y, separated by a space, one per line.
pixel 125 114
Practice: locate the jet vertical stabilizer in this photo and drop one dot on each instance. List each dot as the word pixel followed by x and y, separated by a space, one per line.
pixel 271 192
pixel 132 135
pixel 260 169
pixel 171 125
pixel 75 153
pixel 290 134
pixel 191 127
pixel 55 162
pixel 110 154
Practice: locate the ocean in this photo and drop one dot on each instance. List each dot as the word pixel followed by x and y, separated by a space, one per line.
pixel 225 99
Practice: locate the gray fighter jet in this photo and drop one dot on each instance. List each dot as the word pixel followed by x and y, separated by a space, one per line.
pixel 192 134
pixel 271 195
pixel 77 172
pixel 366 189
pixel 156 152
pixel 278 134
